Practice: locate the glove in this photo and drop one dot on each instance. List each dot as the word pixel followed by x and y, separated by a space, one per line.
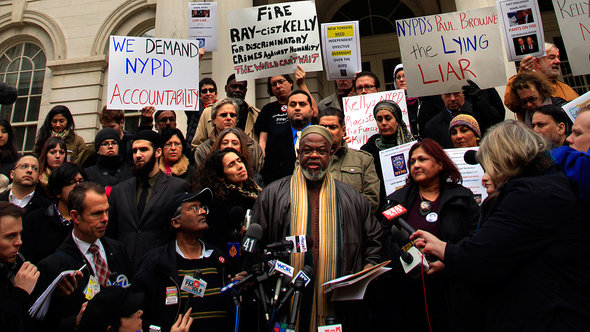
pixel 472 92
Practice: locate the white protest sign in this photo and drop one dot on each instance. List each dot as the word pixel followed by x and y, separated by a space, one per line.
pixel 394 166
pixel 160 72
pixel 273 39
pixel 573 107
pixel 471 174
pixel 341 49
pixel 358 114
pixel 440 52
pixel 202 24
pixel 522 27
pixel 573 17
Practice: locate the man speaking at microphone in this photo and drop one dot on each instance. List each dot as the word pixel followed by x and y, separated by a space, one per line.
pixel 185 273
pixel 339 219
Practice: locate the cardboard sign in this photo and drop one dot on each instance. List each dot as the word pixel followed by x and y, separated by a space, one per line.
pixel 160 72
pixel 273 39
pixel 440 52
pixel 358 114
pixel 573 17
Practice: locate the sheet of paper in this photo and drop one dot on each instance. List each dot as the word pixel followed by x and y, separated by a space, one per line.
pixel 522 28
pixel 573 107
pixel 341 49
pixel 202 24
pixel 39 309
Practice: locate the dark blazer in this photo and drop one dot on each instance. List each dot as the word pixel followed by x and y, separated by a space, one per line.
pixel 39 200
pixel 528 260
pixel 63 310
pixel 152 228
pixel 42 234
pixel 279 160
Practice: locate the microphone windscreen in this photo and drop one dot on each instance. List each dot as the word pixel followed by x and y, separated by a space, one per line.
pixel 470 157
pixel 254 231
pixel 308 270
pixel 236 215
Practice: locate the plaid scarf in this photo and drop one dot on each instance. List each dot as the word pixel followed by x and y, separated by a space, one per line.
pixel 329 242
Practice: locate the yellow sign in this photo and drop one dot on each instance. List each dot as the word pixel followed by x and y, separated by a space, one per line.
pixel 340 31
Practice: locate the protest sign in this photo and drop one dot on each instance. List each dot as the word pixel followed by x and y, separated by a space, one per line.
pixel 440 52
pixel 573 17
pixel 341 49
pixel 273 39
pixel 394 165
pixel 522 27
pixel 573 107
pixel 358 114
pixel 471 174
pixel 202 24
pixel 160 72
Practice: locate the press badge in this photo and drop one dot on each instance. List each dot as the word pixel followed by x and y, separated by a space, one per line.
pixel 194 286
pixel 92 288
pixel 171 295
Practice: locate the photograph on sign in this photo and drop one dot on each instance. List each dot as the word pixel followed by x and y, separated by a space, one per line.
pixel 158 72
pixel 273 39
pixel 358 115
pixel 522 28
pixel 441 52
pixel 573 107
pixel 341 49
pixel 573 17
pixel 202 24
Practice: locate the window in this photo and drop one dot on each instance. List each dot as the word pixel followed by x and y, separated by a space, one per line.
pixel 375 17
pixel 23 66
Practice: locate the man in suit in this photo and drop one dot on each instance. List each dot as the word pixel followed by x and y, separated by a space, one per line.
pixel 280 151
pixel 106 259
pixel 136 204
pixel 25 177
pixel 531 45
pixel 521 47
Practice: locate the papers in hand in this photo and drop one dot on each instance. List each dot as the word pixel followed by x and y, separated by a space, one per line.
pixel 353 286
pixel 39 309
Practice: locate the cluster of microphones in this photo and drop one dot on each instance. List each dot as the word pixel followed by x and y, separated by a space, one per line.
pixel 270 281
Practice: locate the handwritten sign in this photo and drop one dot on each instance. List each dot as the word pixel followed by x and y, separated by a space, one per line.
pixel 342 49
pixel 573 17
pixel 273 39
pixel 522 27
pixel 202 24
pixel 358 114
pixel 440 52
pixel 153 71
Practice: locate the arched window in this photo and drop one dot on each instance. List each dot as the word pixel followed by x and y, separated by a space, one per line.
pixel 23 66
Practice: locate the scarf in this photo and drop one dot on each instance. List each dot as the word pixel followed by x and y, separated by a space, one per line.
pixel 249 188
pixel 61 135
pixel 329 242
pixel 402 136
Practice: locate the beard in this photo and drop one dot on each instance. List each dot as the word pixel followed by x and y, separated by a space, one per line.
pixel 313 176
pixel 145 170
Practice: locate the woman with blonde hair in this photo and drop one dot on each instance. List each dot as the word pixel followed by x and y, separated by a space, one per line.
pixel 528 261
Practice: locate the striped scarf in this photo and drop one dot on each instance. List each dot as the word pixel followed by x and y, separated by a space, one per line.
pixel 329 231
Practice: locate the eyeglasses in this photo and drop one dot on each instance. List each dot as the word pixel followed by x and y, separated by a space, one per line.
pixel 195 209
pixel 320 151
pixel 168 119
pixel 225 115
pixel 279 82
pixel 107 144
pixel 75 181
pixel 400 77
pixel 173 144
pixel 365 87
pixel 210 90
pixel 25 167
pixel 531 100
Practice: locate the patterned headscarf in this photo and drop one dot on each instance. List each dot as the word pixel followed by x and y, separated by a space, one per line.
pixel 402 135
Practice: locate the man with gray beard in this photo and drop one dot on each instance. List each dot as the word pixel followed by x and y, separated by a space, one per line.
pixel 339 220
pixel 136 209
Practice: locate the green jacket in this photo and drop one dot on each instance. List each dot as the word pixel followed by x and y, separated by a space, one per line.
pixel 357 169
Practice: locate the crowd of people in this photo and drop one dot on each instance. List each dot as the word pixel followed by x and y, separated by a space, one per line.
pixel 134 216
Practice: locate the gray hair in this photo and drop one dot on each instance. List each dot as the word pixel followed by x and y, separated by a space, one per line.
pixel 224 101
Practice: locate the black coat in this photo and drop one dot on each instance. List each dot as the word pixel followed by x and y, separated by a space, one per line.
pixel 529 259
pixel 42 234
pixel 63 310
pixel 152 228
pixel 14 302
pixel 109 172
pixel 38 201
pixel 372 148
pixel 279 160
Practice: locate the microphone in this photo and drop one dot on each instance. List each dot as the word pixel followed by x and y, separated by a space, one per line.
pixel 298 285
pixel 470 157
pixel 247 219
pixel 411 258
pixel 236 217
pixel 394 213
pixel 251 238
pixel 301 279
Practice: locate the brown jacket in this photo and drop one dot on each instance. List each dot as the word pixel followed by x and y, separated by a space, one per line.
pixel 205 126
